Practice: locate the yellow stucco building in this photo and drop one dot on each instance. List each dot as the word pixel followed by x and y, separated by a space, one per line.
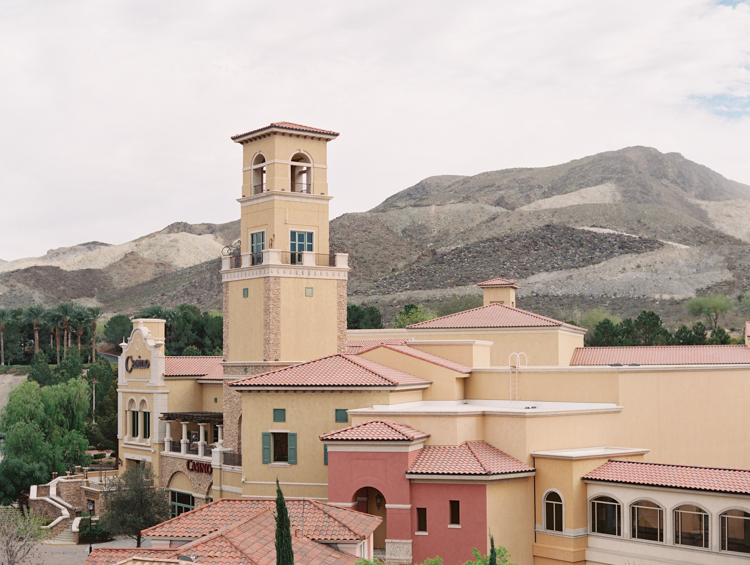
pixel 494 420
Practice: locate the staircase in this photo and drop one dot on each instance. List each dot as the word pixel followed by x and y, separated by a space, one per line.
pixel 63 538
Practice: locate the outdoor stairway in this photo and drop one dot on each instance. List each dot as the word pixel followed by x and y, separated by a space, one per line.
pixel 63 538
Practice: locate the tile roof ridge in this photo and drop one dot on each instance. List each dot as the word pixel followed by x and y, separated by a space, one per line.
pixel 315 503
pixel 354 358
pixel 288 367
pixel 659 464
pixel 476 455
pixel 424 356
pixel 193 511
pixel 493 305
pixel 222 531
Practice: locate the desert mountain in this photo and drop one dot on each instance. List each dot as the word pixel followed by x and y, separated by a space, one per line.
pixel 622 230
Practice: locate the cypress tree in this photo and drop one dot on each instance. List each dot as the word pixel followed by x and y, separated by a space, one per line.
pixel 493 554
pixel 284 551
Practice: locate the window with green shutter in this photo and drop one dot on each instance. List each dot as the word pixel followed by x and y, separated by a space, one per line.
pixel 266 447
pixel 279 414
pixel 292 439
pixel 342 415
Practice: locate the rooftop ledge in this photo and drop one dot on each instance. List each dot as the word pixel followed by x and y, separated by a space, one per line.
pixel 513 408
pixel 589 453
pixel 277 257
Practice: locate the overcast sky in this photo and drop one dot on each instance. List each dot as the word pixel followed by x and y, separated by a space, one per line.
pixel 115 116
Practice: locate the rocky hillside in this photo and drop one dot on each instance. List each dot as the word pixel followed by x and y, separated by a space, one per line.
pixel 622 230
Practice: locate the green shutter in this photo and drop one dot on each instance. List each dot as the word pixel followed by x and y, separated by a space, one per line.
pixel 342 415
pixel 292 449
pixel 266 447
pixel 325 455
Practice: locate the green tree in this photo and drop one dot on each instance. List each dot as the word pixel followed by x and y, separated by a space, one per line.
pixel 118 328
pixel 191 351
pixel 593 317
pixel 711 307
pixel 213 329
pixel 39 370
pixel 17 476
pixel 102 374
pixel 7 316
pixel 647 325
pixel 71 367
pixel 699 334
pixel 284 551
pixel 719 337
pixel 19 534
pixel 413 314
pixel 95 314
pixel 35 316
pixel 502 557
pixel 79 321
pixel 605 334
pixel 359 318
pixel 133 503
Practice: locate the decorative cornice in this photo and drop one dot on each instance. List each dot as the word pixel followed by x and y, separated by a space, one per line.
pixel 286 271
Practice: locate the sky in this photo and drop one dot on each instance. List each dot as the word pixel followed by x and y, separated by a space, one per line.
pixel 116 117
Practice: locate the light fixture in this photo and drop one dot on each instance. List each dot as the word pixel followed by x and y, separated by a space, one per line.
pixel 378 501
pixel 90 504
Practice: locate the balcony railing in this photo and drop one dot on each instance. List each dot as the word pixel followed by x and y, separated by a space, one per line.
pixel 173 446
pixel 297 258
pixel 303 187
pixel 232 458
pixel 278 257
pixel 235 262
pixel 259 188
pixel 207 450
pixel 256 258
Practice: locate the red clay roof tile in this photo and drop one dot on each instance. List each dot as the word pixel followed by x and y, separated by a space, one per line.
pixel 289 126
pixel 469 458
pixel 662 355
pixel 673 476
pixel 497 282
pixel 430 358
pixel 335 370
pixel 357 346
pixel 491 316
pixel 376 430
pixel 191 366
pixel 112 555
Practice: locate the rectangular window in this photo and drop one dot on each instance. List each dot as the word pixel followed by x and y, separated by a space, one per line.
pixel 180 502
pixel 146 425
pixel 735 531
pixel 647 521
pixel 455 513
pixel 215 432
pixel 134 424
pixel 421 519
pixel 279 414
pixel 244 293
pixel 279 447
pixel 342 415
pixel 299 241
pixel 257 245
pixel 325 455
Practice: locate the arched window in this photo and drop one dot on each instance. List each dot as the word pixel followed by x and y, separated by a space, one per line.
pixel 735 531
pixel 301 173
pixel 553 512
pixel 146 419
pixel 691 526
pixel 259 173
pixel 133 419
pixel 606 516
pixel 646 521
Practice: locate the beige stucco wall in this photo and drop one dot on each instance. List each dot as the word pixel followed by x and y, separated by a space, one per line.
pixel 308 414
pixel 504 295
pixel 510 517
pixel 245 326
pixel 210 393
pixel 471 353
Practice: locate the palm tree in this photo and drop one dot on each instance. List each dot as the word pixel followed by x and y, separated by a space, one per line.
pixel 34 316
pixel 6 317
pixel 55 320
pixel 79 320
pixel 64 313
pixel 95 314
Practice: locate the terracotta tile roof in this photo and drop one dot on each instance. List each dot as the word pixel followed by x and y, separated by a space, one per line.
pixel 662 355
pixel 317 520
pixel 497 282
pixel 491 316
pixel 112 555
pixel 335 370
pixel 290 126
pixel 191 366
pixel 673 476
pixel 430 358
pixel 469 458
pixel 356 346
pixel 376 430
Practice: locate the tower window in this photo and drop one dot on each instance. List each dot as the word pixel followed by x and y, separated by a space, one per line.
pixel 301 174
pixel 455 512
pixel 257 245
pixel 421 519
pixel 259 174
pixel 279 414
pixel 299 241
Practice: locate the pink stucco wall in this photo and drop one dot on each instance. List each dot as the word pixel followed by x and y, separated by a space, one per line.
pixel 452 544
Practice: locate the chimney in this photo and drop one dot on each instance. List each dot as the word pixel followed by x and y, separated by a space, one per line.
pixel 500 291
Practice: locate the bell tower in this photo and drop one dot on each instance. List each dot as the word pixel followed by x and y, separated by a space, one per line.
pixel 285 294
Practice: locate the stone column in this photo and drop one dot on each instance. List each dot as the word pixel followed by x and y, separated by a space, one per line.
pixel 220 443
pixel 202 440
pixel 184 441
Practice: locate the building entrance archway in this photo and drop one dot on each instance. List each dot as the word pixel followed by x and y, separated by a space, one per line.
pixel 373 502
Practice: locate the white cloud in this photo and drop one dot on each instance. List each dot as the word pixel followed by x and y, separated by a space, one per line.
pixel 116 116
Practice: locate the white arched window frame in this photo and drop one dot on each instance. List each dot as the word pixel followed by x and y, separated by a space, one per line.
pixel 605 515
pixel 692 525
pixel 553 511
pixel 145 418
pixel 258 168
pixel 301 172
pixel 734 530
pixel 132 419
pixel 647 520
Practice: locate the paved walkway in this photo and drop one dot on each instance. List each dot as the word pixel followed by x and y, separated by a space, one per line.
pixel 74 554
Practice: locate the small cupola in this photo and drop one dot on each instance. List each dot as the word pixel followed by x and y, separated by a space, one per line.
pixel 499 291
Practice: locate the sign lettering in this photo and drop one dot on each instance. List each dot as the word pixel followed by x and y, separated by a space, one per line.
pixel 131 363
pixel 198 467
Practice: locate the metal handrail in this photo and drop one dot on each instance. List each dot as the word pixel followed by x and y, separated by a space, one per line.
pixel 303 187
pixel 259 188
pixel 233 458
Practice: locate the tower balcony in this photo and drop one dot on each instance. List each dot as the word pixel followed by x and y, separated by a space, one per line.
pixel 277 257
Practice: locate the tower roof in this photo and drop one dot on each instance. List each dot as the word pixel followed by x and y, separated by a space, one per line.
pixel 282 127
pixel 497 282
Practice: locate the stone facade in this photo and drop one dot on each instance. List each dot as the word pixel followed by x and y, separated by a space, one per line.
pixel 271 318
pixel 200 482
pixel 225 314
pixel 232 410
pixel 341 302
